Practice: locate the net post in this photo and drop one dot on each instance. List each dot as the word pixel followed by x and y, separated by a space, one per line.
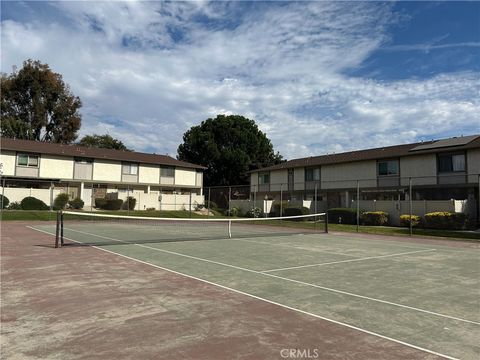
pixel 358 205
pixel 57 230
pixel 61 228
pixel 326 221
pixel 229 229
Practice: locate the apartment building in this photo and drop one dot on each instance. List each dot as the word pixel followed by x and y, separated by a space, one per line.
pixel 437 170
pixel 91 173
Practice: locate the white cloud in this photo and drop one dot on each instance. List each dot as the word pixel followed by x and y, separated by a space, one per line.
pixel 147 71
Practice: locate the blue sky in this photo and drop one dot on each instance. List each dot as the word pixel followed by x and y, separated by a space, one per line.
pixel 317 77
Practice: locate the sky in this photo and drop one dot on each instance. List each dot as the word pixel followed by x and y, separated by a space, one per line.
pixel 317 77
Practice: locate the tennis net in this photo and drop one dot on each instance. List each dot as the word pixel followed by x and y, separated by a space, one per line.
pixel 105 229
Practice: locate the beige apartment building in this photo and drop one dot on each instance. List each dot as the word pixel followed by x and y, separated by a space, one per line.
pixel 437 170
pixel 45 169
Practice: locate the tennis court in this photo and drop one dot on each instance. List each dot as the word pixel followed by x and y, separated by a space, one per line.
pixel 422 295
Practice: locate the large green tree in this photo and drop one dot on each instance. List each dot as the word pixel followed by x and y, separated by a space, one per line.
pixel 36 104
pixel 229 146
pixel 102 141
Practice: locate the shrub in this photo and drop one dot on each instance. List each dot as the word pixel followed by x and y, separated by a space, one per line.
pixel 405 220
pixel 32 203
pixel 60 201
pixel 211 205
pixel 254 213
pixel 76 203
pixel 275 210
pixel 232 212
pixel 342 215
pixel 375 218
pixel 113 204
pixel 296 211
pixel 100 203
pixel 445 220
pixel 150 209
pixel 4 201
pixel 15 206
pixel 130 203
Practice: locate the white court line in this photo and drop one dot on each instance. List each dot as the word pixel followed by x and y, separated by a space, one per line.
pixel 265 300
pixel 282 278
pixel 295 247
pixel 346 261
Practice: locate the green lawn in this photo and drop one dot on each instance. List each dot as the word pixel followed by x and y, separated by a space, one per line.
pixel 383 230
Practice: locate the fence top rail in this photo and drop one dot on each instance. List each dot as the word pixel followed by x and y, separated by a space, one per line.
pixel 151 218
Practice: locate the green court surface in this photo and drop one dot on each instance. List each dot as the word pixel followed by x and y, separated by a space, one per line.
pixel 423 295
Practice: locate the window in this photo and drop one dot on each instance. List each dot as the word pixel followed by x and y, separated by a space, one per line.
pixel 130 169
pixel 312 174
pixel 451 163
pixel 388 168
pixel 27 160
pixel 264 178
pixel 167 171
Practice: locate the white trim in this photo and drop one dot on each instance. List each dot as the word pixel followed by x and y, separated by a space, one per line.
pixel 350 260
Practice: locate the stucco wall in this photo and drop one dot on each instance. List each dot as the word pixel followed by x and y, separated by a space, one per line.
pixel 104 170
pixel 337 176
pixel 57 167
pixel 7 158
pixel 473 164
pixel 254 182
pixel 299 178
pixel 422 167
pixel 185 177
pixel 149 174
pixel 278 177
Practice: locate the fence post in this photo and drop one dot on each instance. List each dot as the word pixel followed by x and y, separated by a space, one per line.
pixel 358 205
pixel 229 200
pixel 128 200
pixel 3 194
pixel 208 207
pixel 61 228
pixel 410 204
pixel 255 195
pixel 57 231
pixel 190 202
pixel 281 199
pixel 315 208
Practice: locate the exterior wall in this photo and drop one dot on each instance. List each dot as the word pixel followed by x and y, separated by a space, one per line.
pixel 473 165
pixel 56 167
pixel 7 159
pixel 299 179
pixel 199 179
pixel 278 177
pixel 424 166
pixel 107 170
pixel 337 176
pixel 185 177
pixel 254 182
pixel 149 174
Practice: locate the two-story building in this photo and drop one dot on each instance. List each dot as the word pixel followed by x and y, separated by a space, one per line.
pixel 157 181
pixel 437 170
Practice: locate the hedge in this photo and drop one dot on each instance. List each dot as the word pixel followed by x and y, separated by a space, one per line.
pixel 296 211
pixel 76 203
pixel 100 203
pixel 113 204
pixel 405 220
pixel 232 212
pixel 32 203
pixel 445 220
pixel 342 215
pixel 4 201
pixel 130 203
pixel 275 210
pixel 61 200
pixel 375 218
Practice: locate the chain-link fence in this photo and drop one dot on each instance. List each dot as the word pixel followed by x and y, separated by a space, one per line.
pixel 391 194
